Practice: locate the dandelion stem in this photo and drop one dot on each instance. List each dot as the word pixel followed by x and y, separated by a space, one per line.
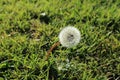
pixel 51 49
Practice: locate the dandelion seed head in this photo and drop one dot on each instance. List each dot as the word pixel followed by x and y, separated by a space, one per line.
pixel 69 36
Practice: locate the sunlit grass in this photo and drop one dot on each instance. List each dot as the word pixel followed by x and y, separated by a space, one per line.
pixel 26 36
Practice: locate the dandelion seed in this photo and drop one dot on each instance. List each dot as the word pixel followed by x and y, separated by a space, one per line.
pixel 60 68
pixel 43 14
pixel 69 36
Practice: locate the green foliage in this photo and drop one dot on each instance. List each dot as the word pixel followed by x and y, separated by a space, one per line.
pixel 26 35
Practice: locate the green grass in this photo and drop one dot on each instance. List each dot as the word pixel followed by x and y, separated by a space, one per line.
pixel 26 36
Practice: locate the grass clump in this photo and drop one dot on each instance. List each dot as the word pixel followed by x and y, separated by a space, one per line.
pixel 26 35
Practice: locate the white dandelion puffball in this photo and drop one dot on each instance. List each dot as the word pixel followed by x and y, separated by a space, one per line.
pixel 69 36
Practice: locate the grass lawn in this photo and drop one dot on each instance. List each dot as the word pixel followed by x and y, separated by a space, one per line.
pixel 28 28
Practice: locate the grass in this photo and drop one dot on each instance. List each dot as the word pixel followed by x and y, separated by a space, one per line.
pixel 26 36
